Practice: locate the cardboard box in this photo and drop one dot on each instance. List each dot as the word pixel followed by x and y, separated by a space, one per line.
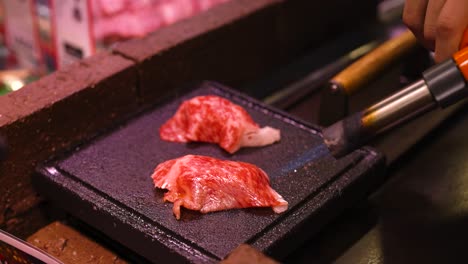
pixel 74 37
pixel 21 33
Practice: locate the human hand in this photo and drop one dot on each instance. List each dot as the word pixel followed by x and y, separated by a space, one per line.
pixel 437 24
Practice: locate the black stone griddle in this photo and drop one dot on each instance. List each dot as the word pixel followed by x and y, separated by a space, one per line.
pixel 106 183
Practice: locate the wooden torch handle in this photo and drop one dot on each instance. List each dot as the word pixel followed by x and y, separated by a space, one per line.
pixel 355 76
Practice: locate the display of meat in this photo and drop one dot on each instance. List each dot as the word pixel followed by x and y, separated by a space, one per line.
pixel 207 184
pixel 215 119
pixel 136 18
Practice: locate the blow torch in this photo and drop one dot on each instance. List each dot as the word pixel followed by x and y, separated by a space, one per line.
pixel 441 86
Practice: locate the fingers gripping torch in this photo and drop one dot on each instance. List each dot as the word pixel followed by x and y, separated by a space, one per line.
pixel 441 86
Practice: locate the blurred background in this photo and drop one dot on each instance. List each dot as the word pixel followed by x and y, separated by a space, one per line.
pixel 40 36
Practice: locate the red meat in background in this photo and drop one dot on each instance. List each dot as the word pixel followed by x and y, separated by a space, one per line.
pixel 127 18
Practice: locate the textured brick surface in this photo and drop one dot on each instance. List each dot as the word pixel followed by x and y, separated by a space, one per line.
pixel 54 113
pixel 237 42
pixel 70 246
pixel 245 254
pixel 232 43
